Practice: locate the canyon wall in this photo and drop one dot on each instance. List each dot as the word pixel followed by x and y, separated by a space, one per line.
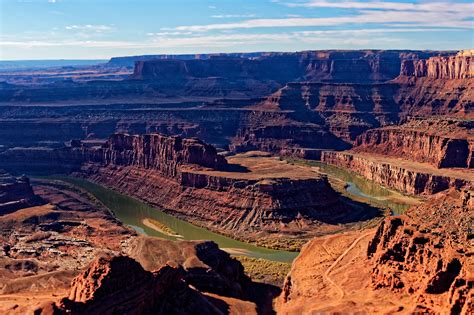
pixel 330 66
pixel 403 177
pixel 442 143
pixel 460 66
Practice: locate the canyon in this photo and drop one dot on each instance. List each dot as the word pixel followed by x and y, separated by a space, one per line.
pixel 250 196
pixel 225 142
pixel 319 104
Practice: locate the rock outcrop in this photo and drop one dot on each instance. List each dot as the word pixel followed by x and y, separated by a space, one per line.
pixel 15 193
pixel 427 253
pixel 419 262
pixel 402 175
pixel 460 66
pixel 205 266
pixel 442 143
pixel 119 284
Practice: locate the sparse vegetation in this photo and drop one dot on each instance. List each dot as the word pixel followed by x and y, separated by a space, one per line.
pixel 161 227
pixel 262 270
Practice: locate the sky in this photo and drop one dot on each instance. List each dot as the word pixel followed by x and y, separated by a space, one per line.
pixel 100 29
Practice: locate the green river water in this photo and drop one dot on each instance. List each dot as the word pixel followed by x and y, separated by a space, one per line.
pixel 132 212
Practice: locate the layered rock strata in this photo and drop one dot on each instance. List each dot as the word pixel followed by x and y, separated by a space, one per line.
pixel 402 175
pixel 251 195
pixel 442 143
pixel 460 66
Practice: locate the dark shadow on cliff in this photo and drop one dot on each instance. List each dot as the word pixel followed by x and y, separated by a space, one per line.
pixel 358 211
pixel 263 295
pixel 236 168
pixel 346 211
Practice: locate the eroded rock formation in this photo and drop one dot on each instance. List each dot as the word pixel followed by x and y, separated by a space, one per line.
pixel 420 262
pixel 402 175
pixel 15 193
pixel 427 253
pixel 119 284
pixel 460 66
pixel 442 143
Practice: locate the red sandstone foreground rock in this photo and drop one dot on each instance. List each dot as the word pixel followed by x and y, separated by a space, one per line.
pixel 120 285
pixel 418 262
pixel 43 248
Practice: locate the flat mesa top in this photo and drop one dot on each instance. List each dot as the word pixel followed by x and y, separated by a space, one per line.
pixel 457 129
pixel 259 165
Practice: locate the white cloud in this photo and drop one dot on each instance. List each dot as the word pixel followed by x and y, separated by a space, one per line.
pixel 457 19
pixel 90 28
pixel 442 14
pixel 230 16
pixel 387 5
pixel 335 38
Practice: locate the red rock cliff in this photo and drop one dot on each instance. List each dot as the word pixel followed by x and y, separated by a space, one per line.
pixel 156 151
pixel 426 254
pixel 460 66
pixel 442 143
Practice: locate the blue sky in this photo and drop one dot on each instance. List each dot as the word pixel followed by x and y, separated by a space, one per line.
pixel 89 29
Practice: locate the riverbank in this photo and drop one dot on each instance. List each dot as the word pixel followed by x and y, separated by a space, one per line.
pixel 357 188
pixel 160 227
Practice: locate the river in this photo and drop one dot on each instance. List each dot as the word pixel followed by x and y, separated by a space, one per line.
pixel 358 186
pixel 135 213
